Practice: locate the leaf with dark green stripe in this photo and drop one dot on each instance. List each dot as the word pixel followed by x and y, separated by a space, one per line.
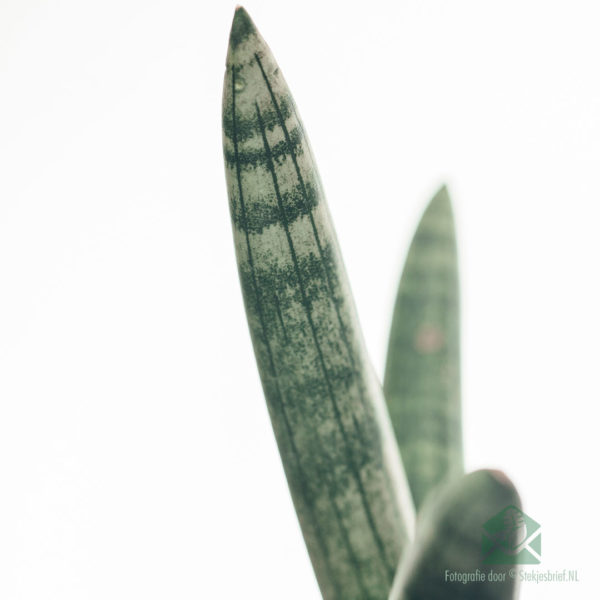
pixel 329 417
pixel 449 540
pixel 422 375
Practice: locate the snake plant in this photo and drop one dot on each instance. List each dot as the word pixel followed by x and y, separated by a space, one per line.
pixel 340 451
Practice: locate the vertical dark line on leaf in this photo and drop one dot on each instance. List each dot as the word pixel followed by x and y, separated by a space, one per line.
pixel 280 317
pixel 259 310
pixel 306 305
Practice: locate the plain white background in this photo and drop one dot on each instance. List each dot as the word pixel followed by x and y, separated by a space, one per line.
pixel 136 455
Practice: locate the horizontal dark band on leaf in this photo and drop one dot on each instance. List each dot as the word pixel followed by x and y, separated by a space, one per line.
pixel 282 279
pixel 248 127
pixel 255 157
pixel 414 296
pixel 263 213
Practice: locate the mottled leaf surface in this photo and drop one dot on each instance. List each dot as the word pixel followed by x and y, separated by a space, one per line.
pixel 422 375
pixel 329 417
pixel 449 540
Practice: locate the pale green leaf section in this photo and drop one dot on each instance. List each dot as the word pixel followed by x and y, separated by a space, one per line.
pixel 449 541
pixel 422 375
pixel 329 417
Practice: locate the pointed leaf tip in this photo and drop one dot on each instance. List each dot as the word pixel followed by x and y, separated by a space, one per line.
pixel 241 27
pixel 441 197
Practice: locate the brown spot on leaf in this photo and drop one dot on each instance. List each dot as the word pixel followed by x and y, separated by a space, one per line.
pixel 428 339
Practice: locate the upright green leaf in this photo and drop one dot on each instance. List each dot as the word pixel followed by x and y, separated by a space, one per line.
pixel 449 543
pixel 422 375
pixel 329 417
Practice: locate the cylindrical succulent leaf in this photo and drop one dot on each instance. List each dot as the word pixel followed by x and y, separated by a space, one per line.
pixel 336 443
pixel 449 544
pixel 422 375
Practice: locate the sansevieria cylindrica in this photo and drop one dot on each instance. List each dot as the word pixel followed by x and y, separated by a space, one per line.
pixel 327 409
